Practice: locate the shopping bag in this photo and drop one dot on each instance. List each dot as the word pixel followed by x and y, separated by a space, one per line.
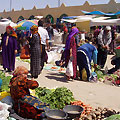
pixel 69 70
pixel 25 52
pixel 84 75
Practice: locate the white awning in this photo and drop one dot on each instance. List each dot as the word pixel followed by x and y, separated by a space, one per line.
pixel 104 22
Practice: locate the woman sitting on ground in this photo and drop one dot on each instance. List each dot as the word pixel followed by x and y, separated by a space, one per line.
pixel 25 105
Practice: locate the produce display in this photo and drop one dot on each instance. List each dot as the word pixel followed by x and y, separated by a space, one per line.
pixel 56 98
pixel 87 108
pixel 100 114
pixel 114 78
pixel 24 60
pixel 5 81
pixel 114 117
pixel 117 81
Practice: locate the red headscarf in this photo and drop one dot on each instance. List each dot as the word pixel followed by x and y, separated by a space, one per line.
pixel 12 33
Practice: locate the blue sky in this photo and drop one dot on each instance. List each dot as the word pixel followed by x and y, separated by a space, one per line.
pixel 29 4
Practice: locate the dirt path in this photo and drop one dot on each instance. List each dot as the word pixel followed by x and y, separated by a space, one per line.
pixel 95 94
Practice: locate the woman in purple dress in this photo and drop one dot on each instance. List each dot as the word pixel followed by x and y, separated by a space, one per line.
pixel 9 49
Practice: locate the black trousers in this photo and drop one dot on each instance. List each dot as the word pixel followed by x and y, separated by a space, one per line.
pixel 83 62
pixel 102 56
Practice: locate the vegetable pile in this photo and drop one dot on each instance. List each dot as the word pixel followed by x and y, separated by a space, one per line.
pixel 100 114
pixel 113 79
pixel 117 80
pixel 5 82
pixel 114 117
pixel 24 60
pixel 56 98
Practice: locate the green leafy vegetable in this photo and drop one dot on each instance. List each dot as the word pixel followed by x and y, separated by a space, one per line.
pixel 113 117
pixel 57 98
pixel 99 74
pixel 5 82
pixel 24 60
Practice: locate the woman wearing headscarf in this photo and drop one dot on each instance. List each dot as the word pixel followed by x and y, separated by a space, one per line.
pixel 25 105
pixel 35 51
pixel 9 48
pixel 71 51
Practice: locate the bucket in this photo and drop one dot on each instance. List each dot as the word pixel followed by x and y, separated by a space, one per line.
pixel 73 111
pixel 56 115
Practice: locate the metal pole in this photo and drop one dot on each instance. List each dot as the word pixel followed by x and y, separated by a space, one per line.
pixel 58 3
pixel 10 5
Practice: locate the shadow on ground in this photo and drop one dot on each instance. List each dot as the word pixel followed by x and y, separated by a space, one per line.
pixel 57 77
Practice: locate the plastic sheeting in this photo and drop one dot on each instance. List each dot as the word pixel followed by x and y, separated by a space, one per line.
pixel 105 22
pixel 57 37
pixel 4 23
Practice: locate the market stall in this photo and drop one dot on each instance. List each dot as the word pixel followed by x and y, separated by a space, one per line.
pixel 85 22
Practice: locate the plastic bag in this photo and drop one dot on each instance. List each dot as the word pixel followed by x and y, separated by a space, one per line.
pixel 52 56
pixel 25 52
pixel 8 100
pixel 4 113
pixel 0 83
pixel 69 70
pixel 93 77
pixel 11 118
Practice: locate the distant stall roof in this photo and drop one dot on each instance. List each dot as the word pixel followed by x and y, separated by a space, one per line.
pixel 70 17
pixel 104 22
pixel 83 18
pixel 100 13
pixel 117 13
pixel 79 17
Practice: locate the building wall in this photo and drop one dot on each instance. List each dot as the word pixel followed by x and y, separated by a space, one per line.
pixel 112 6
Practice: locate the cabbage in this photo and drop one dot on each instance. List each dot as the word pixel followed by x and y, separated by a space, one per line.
pixel 114 117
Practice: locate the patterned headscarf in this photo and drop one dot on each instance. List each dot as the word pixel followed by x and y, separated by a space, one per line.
pixel 20 70
pixel 34 28
pixel 12 32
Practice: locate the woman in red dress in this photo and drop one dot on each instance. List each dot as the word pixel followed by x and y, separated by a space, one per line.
pixel 71 51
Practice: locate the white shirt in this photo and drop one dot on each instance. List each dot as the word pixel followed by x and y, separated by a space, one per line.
pixel 43 34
